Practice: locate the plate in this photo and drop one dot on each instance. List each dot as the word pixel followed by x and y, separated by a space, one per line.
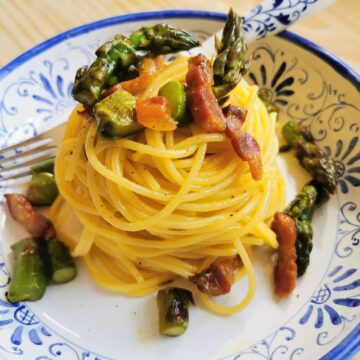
pixel 81 321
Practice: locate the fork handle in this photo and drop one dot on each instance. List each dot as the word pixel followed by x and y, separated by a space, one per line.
pixel 273 16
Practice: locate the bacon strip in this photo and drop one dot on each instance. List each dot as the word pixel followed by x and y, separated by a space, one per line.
pixel 148 69
pixel 235 118
pixel 285 272
pixel 245 146
pixel 218 278
pixel 155 113
pixel 200 97
pixel 23 212
pixel 207 112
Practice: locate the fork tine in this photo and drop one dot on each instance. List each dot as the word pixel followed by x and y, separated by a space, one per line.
pixel 15 173
pixel 17 160
pixel 22 148
pixel 27 159
pixel 12 173
pixel 8 184
pixel 46 134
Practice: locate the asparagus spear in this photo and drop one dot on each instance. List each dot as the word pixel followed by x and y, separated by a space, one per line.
pixel 310 156
pixel 230 64
pixel 116 115
pixel 301 209
pixel 118 54
pixel 173 306
pixel 162 39
pixel 62 264
pixel 44 166
pixel 175 92
pixel 302 206
pixel 42 189
pixel 303 245
pixel 29 280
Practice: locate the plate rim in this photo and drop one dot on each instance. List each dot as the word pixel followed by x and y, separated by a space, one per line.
pixel 350 345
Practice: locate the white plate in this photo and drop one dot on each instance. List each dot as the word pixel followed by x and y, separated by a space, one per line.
pixel 81 321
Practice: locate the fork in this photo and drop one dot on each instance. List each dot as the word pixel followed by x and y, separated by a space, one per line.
pixel 16 161
pixel 267 18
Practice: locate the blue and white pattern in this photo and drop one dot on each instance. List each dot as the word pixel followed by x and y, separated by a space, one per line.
pixel 303 88
pixel 331 296
pixel 274 15
pixel 349 230
pixel 26 331
pixel 277 344
pixel 45 94
pixel 322 108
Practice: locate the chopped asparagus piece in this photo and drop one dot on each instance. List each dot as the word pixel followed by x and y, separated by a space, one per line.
pixel 44 166
pixel 42 189
pixel 29 279
pixel 62 264
pixel 116 115
pixel 173 306
pixel 175 92
pixel 303 205
pixel 292 133
pixel 319 166
pixel 310 156
pixel 301 209
pixel 303 245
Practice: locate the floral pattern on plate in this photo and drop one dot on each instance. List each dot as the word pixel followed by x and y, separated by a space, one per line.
pixel 303 93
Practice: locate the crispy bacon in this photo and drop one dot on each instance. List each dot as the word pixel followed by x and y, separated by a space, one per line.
pixel 147 71
pixel 207 112
pixel 245 146
pixel 235 118
pixel 200 97
pixel 200 72
pixel 155 113
pixel 285 272
pixel 138 84
pixel 23 212
pixel 248 150
pixel 218 278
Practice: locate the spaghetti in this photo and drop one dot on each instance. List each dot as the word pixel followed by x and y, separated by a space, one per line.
pixel 160 205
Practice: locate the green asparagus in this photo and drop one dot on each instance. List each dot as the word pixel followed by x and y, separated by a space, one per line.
pixel 44 166
pixel 161 39
pixel 302 206
pixel 173 306
pixel 62 264
pixel 303 244
pixel 42 189
pixel 301 209
pixel 230 64
pixel 310 156
pixel 118 54
pixel 116 115
pixel 29 279
pixel 175 92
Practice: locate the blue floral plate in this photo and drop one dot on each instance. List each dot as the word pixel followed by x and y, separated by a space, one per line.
pixel 81 321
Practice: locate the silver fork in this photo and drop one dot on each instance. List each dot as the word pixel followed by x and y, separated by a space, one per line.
pixel 263 20
pixel 17 160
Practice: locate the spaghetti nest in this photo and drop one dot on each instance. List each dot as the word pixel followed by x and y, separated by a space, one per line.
pixel 159 205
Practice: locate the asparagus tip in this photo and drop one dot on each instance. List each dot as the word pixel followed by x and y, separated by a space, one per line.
pixel 64 275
